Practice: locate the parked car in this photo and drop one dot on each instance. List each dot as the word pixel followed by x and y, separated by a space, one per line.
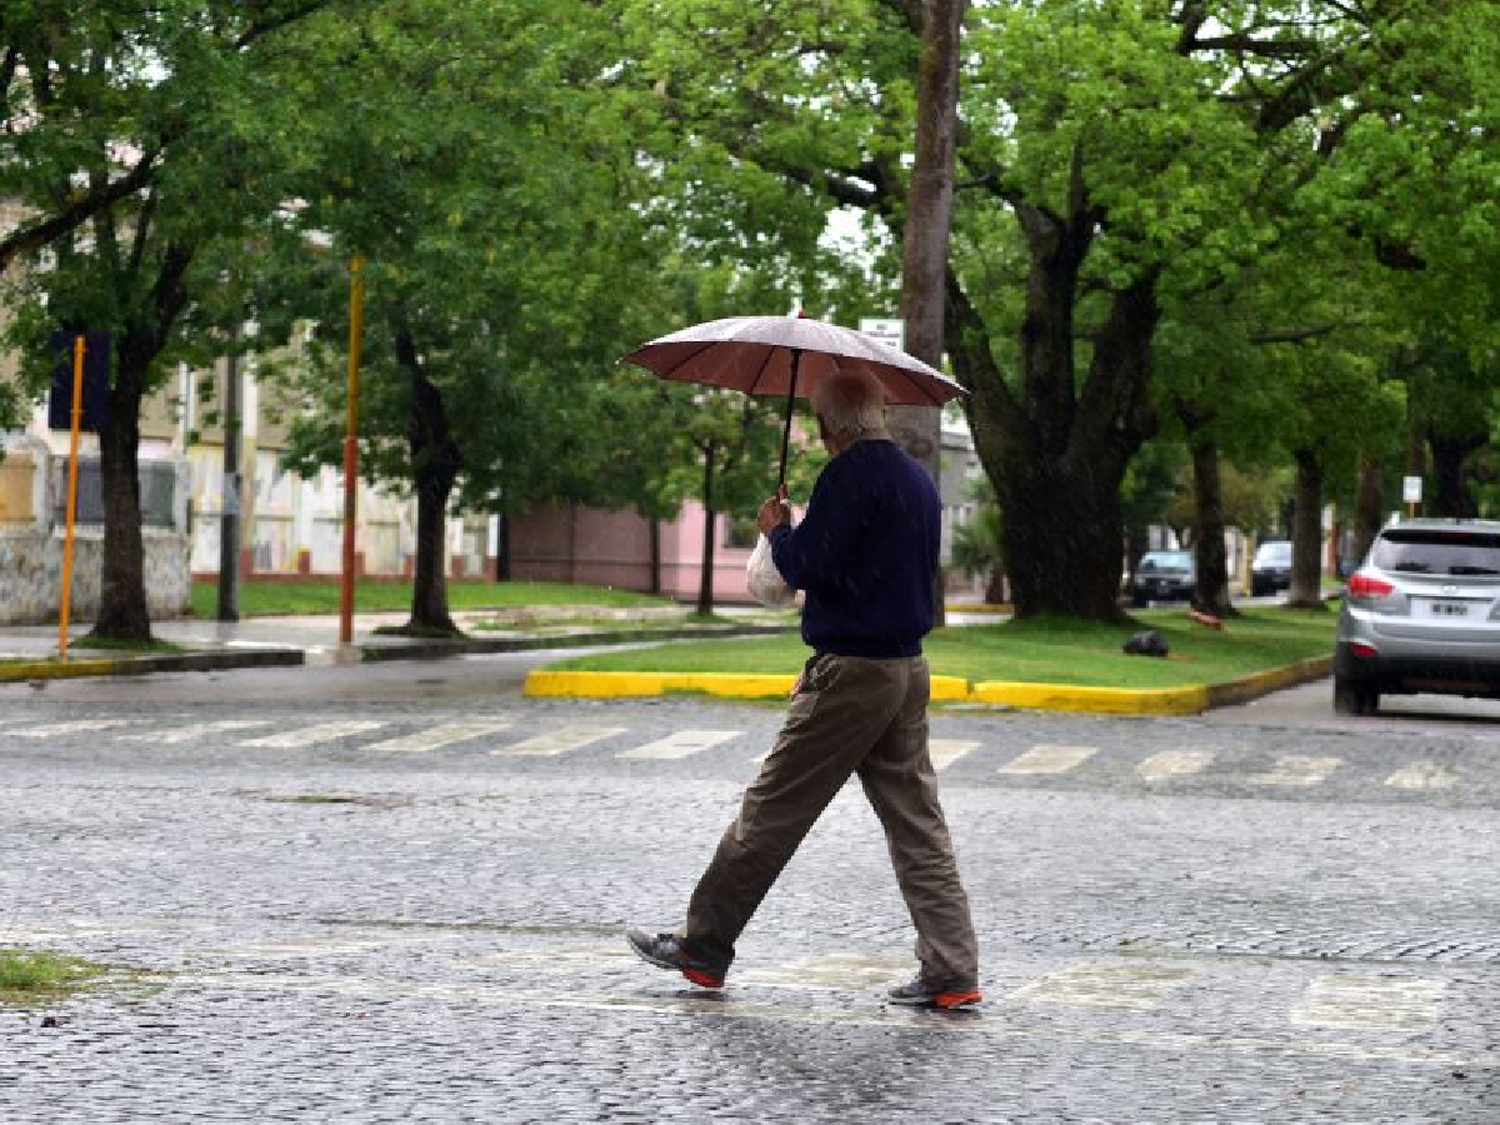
pixel 1421 614
pixel 1271 568
pixel 1162 576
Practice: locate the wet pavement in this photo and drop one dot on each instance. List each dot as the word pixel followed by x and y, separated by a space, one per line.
pixel 402 901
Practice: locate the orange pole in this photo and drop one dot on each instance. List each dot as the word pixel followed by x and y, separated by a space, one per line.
pixel 64 608
pixel 351 453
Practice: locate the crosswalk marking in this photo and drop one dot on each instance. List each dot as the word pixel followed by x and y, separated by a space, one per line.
pixel 195 731
pixel 1137 986
pixel 1049 759
pixel 680 744
pixel 560 741
pixel 1174 763
pixel 1380 1003
pixel 430 738
pixel 311 736
pixel 76 726
pixel 946 751
pixel 1298 769
pixel 1422 775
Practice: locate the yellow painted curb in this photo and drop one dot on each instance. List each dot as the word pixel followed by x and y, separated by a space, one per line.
pixel 950 689
pixel 1110 701
pixel 604 685
pixel 57 669
pixel 541 682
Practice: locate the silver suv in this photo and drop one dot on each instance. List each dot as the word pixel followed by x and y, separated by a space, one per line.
pixel 1422 613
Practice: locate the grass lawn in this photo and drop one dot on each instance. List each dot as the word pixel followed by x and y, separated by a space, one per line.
pixel 1046 651
pixel 260 599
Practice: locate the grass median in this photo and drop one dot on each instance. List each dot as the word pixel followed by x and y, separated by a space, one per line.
pixel 280 599
pixel 1050 651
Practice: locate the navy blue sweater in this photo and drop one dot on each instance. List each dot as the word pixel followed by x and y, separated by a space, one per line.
pixel 866 553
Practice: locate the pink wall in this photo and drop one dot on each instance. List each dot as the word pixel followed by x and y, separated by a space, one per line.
pixel 602 548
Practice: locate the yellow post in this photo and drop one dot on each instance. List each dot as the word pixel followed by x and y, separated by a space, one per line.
pixel 351 453
pixel 64 609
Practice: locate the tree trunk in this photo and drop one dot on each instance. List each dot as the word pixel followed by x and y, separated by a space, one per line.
pixel 710 517
pixel 1450 494
pixel 929 213
pixel 1057 452
pixel 436 461
pixel 124 614
pixel 1209 557
pixel 1307 534
pixel 1369 513
pixel 655 536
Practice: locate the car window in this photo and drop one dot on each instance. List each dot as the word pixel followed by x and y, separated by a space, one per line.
pixel 1167 560
pixel 1273 554
pixel 1448 553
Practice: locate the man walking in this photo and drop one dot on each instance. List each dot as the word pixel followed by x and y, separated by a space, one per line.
pixel 866 553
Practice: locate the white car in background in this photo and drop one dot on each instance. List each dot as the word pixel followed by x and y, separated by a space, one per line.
pixel 1421 614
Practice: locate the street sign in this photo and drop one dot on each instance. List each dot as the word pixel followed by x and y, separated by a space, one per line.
pixel 1411 490
pixel 888 330
pixel 95 382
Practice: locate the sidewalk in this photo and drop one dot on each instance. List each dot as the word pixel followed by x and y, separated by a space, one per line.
pixel 31 652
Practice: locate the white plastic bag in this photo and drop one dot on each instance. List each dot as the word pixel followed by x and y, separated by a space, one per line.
pixel 766 584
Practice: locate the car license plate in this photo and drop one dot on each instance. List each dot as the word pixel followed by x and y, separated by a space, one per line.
pixel 1444 610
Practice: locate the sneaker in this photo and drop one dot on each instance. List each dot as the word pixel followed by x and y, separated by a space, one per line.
pixel 665 952
pixel 945 996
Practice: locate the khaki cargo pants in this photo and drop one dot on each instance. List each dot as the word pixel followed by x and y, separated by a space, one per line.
pixel 848 716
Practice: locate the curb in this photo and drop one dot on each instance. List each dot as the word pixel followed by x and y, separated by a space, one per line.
pixel 1189 700
pixel 436 649
pixel 141 665
pixel 542 683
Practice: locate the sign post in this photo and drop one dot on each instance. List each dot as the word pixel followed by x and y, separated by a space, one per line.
pixel 351 453
pixel 64 609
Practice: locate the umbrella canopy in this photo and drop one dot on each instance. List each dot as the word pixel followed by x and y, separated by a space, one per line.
pixel 789 355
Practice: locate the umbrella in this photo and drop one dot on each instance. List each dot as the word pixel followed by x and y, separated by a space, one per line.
pixel 789 355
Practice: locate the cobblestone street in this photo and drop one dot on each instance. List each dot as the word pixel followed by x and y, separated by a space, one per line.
pixel 406 910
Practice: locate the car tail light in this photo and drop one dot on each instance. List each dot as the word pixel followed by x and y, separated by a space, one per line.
pixel 1359 648
pixel 1363 585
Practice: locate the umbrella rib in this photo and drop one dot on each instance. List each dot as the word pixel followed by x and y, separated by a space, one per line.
pixel 761 370
pixel 685 360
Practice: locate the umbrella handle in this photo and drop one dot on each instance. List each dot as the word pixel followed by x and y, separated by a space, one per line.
pixel 786 432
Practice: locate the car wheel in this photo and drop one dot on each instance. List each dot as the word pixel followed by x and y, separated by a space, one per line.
pixel 1137 602
pixel 1354 699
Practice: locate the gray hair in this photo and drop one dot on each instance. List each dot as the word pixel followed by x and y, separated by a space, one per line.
pixel 851 404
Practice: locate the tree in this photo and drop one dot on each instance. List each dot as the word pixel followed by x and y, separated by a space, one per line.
pixel 494 311
pixel 1119 154
pixel 130 118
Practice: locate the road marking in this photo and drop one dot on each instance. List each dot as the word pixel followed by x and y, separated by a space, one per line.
pixel 834 972
pixel 431 738
pixel 946 751
pixel 1378 1003
pixel 1104 985
pixel 1298 769
pixel 561 740
pixel 1422 775
pixel 734 1006
pixel 1049 759
pixel 195 731
pixel 1174 763
pixel 311 736
pixel 77 726
pixel 681 744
